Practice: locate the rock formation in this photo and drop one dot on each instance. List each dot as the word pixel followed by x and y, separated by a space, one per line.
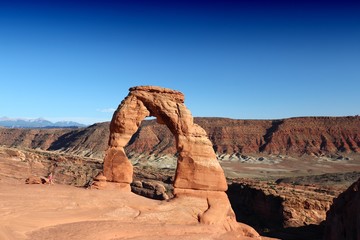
pixel 99 182
pixel 293 136
pixel 343 218
pixel 230 137
pixel 197 166
pixel 31 166
pixel 198 173
pixel 150 189
pixel 265 204
pixel 36 180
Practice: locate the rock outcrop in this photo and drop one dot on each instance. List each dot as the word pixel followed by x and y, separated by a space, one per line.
pixel 275 206
pixel 150 189
pixel 19 164
pixel 197 166
pixel 99 182
pixel 198 173
pixel 343 218
pixel 36 180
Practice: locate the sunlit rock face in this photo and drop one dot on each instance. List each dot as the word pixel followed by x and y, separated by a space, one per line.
pixel 197 166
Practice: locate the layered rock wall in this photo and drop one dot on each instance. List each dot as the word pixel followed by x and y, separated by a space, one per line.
pixel 275 206
pixel 294 136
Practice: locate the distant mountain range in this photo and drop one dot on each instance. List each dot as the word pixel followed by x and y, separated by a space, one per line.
pixel 36 123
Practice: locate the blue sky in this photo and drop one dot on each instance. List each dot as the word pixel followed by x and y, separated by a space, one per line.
pixel 76 60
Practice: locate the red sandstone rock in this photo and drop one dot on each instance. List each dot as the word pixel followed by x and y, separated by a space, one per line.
pixel 266 204
pixel 219 211
pixel 198 173
pixel 150 189
pixel 197 166
pixel 36 180
pixel 100 177
pixel 293 136
pixel 99 182
pixel 318 135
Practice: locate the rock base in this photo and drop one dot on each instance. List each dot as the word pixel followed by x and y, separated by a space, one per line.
pixel 219 211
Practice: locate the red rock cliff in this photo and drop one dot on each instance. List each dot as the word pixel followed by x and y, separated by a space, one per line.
pixel 293 136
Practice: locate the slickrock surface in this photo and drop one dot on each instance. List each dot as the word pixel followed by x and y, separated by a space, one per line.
pixel 343 219
pixel 63 212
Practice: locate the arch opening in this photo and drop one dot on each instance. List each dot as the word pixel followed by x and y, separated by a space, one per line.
pixel 154 160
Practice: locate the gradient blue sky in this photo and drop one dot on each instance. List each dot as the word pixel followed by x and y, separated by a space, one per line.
pixel 75 60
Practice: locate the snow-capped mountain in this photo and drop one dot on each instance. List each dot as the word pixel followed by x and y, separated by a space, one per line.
pixel 36 123
pixel 68 124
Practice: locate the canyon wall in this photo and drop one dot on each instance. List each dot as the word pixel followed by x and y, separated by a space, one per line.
pixel 293 136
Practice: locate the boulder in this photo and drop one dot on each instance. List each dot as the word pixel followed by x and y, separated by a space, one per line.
pixel 36 180
pixel 99 182
pixel 150 189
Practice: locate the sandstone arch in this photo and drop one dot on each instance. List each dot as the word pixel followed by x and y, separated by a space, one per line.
pixel 197 166
pixel 198 174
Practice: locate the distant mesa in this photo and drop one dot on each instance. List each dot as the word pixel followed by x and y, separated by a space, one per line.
pixel 232 139
pixel 36 123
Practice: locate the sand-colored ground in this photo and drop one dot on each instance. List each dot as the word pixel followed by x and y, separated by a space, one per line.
pixel 65 212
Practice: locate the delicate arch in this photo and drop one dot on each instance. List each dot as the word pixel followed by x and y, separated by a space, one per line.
pixel 197 166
